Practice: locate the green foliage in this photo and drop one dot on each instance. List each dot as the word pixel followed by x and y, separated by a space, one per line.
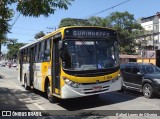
pixel 123 22
pixel 13 50
pixel 39 35
pixel 74 22
pixel 5 17
pixel 127 29
pixel 36 8
pixel 33 8
pixel 98 21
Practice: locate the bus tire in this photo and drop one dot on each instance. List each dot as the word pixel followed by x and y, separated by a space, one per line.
pixel 51 98
pixel 25 83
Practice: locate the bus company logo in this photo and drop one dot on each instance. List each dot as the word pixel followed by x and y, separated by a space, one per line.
pixel 97 81
pixel 6 113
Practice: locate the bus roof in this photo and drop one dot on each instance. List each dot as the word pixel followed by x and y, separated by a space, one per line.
pixel 58 31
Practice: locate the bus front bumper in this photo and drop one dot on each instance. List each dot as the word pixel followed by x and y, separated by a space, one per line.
pixel 90 89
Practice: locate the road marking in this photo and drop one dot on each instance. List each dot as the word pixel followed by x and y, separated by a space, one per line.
pixel 41 108
pixel 18 87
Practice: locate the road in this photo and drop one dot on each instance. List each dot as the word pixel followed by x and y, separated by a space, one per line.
pixel 110 101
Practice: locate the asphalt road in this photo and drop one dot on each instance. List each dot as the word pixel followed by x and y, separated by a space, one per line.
pixel 115 101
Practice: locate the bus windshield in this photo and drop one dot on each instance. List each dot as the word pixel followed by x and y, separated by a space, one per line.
pixel 89 54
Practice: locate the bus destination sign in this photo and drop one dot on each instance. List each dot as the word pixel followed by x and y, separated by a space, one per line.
pixel 89 33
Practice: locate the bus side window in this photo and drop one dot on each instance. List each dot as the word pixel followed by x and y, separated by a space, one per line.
pixel 21 57
pixel 24 56
pixel 47 50
pixel 41 52
pixel 27 55
pixel 36 53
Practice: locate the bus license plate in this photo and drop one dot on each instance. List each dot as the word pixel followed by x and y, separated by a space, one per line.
pixel 97 88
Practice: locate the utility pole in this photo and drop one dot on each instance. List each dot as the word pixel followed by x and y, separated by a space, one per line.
pixel 153 39
pixel 143 44
pixel 51 28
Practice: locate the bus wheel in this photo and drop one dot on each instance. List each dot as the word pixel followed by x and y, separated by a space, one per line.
pixel 148 91
pixel 25 83
pixel 51 98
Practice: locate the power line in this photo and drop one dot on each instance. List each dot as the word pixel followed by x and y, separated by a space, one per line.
pixel 27 29
pixel 22 34
pixel 15 20
pixel 107 9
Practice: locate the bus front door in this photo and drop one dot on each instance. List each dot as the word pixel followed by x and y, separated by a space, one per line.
pixel 55 67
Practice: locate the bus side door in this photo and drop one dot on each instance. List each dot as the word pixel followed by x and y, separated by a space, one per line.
pixel 31 66
pixel 55 66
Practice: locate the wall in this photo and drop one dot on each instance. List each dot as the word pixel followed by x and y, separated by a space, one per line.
pixel 147 60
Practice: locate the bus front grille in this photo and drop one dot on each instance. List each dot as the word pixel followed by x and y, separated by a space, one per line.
pixel 95 91
pixel 92 90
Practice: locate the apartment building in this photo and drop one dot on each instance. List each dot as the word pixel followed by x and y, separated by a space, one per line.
pixel 150 40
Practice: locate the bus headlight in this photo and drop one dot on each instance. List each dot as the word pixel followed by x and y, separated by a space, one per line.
pixel 71 83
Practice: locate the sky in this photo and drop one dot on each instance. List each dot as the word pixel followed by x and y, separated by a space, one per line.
pixel 25 28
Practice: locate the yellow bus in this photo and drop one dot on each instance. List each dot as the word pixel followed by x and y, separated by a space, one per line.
pixel 72 62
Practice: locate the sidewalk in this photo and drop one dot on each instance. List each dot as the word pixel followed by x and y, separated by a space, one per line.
pixel 10 96
pixel 16 102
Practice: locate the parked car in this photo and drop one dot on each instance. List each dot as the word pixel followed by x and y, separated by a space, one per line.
pixel 143 77
pixel 14 65
pixel 8 63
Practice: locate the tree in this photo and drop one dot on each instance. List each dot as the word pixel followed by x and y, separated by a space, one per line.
pixel 32 8
pixel 39 35
pixel 13 49
pixel 5 17
pixel 74 22
pixel 36 8
pixel 123 22
pixel 98 21
pixel 126 27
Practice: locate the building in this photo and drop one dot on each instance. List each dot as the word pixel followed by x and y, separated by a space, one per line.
pixel 149 42
pixel 151 38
